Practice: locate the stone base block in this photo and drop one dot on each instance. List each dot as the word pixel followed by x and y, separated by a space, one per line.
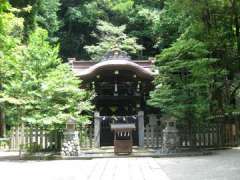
pixel 70 146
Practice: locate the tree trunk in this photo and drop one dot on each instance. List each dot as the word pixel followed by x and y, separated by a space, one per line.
pixel 2 123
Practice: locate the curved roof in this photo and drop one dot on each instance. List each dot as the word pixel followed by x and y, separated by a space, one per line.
pixel 90 71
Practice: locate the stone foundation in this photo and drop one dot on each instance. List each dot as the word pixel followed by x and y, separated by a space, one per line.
pixel 70 146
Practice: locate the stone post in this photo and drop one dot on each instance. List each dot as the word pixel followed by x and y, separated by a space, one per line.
pixel 97 126
pixel 170 137
pixel 70 145
pixel 141 129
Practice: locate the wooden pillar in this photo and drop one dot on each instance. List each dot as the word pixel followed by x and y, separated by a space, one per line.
pixel 97 126
pixel 141 129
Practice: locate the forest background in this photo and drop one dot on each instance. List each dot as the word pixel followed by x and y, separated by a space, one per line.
pixel 196 45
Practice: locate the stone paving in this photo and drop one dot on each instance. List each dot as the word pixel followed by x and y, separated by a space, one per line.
pixel 220 166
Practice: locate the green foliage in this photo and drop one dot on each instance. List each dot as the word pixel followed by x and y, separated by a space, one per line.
pixel 85 14
pixel 54 91
pixel 43 90
pixel 110 37
pixel 39 13
pixel 204 42
pixel 62 98
pixel 121 6
pixel 169 25
pixel 198 38
pixel 28 11
pixel 80 20
pixel 11 29
pixel 47 17
pixel 183 80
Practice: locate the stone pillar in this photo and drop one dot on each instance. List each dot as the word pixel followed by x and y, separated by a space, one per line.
pixel 97 126
pixel 70 145
pixel 141 129
pixel 170 137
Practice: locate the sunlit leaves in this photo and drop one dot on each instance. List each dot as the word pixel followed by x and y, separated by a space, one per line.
pixel 111 37
pixel 42 90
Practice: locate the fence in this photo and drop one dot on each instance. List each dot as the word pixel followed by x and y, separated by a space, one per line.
pixel 38 139
pixel 86 136
pixel 210 135
pixel 153 136
pixel 35 139
pixel 200 136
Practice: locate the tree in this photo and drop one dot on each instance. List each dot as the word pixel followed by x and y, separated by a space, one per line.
pixel 80 18
pixel 39 13
pixel 160 26
pixel 62 98
pixel 47 18
pixel 10 37
pixel 46 90
pixel 36 87
pixel 28 11
pixel 183 80
pixel 213 24
pixel 58 95
pixel 110 37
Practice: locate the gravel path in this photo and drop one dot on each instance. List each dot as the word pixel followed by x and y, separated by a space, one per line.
pixel 222 165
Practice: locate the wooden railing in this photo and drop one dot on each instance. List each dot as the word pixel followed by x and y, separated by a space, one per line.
pixel 38 139
pixel 201 136
pixel 86 136
pixel 35 139
pixel 210 135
